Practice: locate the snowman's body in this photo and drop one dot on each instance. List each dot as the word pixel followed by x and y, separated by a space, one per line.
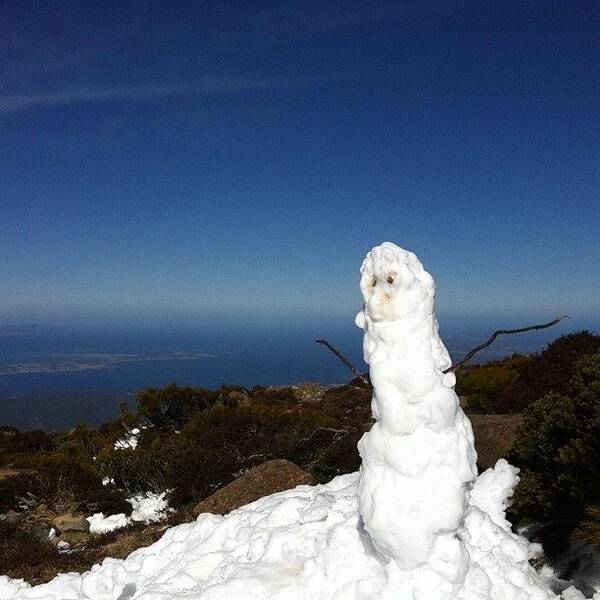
pixel 418 460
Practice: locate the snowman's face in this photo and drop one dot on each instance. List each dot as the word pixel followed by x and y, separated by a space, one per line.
pixel 393 283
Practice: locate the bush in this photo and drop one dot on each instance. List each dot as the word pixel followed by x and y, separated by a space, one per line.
pixel 137 471
pixel 15 490
pixel 589 530
pixel 274 396
pixel 63 483
pixel 558 451
pixel 196 470
pixel 338 458
pixel 173 406
pixel 219 443
pixel 37 561
pixel 550 371
pixel 483 384
pixel 19 547
pixel 13 441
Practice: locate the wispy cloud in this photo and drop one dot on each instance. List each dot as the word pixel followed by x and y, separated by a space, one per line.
pixel 80 95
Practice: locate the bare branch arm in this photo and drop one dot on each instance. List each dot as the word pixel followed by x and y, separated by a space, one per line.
pixel 343 359
pixel 469 355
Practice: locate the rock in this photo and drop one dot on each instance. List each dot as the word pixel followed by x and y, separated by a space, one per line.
pixel 70 522
pixel 494 436
pixel 308 392
pixel 268 478
pixel 74 537
pixel 40 532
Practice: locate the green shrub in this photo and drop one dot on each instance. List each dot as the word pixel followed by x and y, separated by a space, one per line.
pixel 172 406
pixel 550 371
pixel 483 384
pixel 220 442
pixel 338 458
pixel 558 451
pixel 197 469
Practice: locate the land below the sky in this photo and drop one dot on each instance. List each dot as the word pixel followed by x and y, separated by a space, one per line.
pixel 68 496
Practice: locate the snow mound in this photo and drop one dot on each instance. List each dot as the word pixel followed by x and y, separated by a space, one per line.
pixel 147 508
pixel 304 543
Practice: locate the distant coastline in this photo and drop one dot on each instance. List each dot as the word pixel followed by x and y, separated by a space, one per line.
pixel 85 362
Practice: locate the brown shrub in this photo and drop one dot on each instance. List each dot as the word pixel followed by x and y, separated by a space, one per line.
pixel 63 483
pixel 20 548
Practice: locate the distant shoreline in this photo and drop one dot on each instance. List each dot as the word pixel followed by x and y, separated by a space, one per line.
pixel 106 363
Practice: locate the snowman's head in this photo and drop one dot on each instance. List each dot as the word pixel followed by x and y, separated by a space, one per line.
pixel 394 285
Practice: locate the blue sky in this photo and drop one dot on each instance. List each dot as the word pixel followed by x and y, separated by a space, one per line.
pixel 200 160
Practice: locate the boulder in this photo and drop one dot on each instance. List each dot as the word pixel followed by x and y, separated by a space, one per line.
pixel 268 478
pixel 70 522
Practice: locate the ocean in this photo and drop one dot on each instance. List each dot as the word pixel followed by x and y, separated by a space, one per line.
pixel 55 377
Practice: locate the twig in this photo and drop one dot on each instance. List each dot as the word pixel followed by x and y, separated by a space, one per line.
pixel 344 360
pixel 469 355
pixel 335 432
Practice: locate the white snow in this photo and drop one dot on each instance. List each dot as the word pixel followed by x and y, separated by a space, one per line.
pixel 63 547
pixel 101 524
pixel 128 441
pixel 414 524
pixel 150 507
pixel 147 508
pixel 305 543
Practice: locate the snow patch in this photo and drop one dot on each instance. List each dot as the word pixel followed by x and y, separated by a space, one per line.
pixel 128 441
pixel 150 507
pixel 101 524
pixel 147 508
pixel 305 543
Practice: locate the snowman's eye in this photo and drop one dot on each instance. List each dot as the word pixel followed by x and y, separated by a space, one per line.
pixel 374 282
pixel 390 279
